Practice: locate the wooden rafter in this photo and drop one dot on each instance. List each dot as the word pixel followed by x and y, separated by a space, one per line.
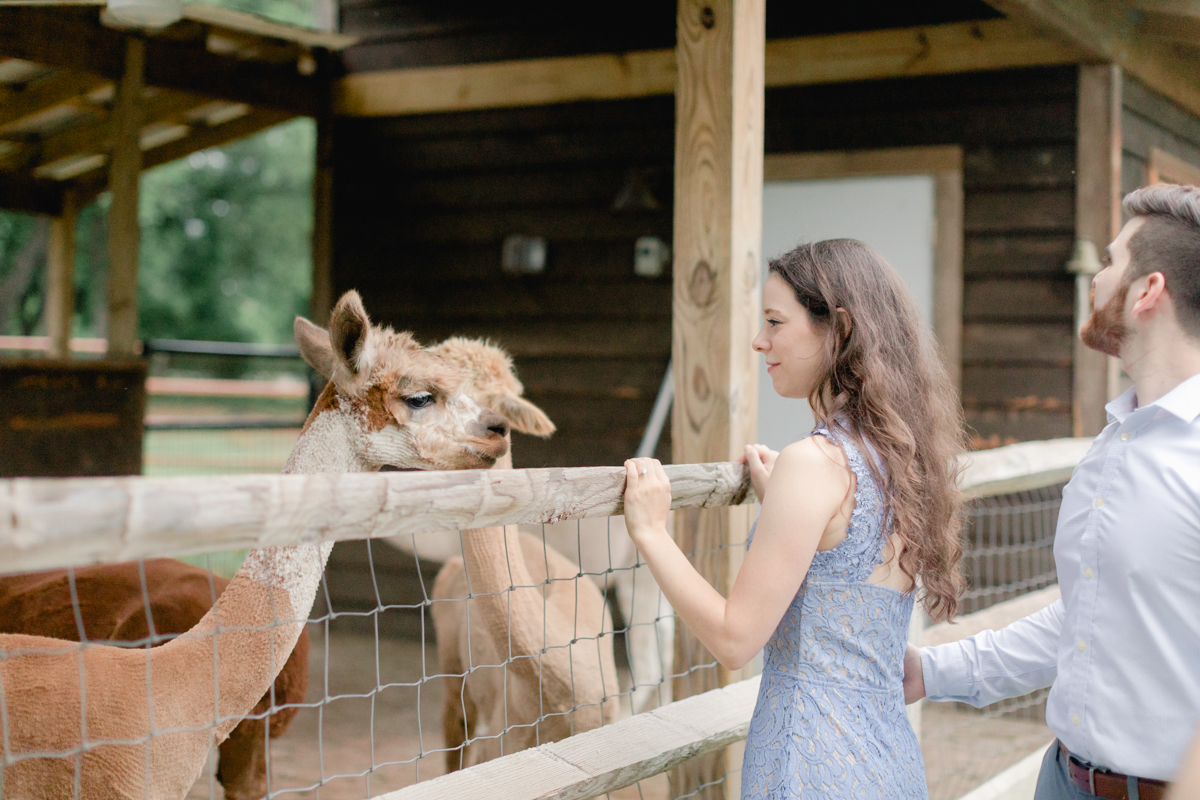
pixel 58 89
pixel 1105 31
pixel 938 49
pixel 73 39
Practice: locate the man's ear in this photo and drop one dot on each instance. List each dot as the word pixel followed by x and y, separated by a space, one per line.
pixel 315 349
pixel 349 327
pixel 1152 296
pixel 523 415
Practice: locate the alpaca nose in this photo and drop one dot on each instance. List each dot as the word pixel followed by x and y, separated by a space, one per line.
pixel 494 424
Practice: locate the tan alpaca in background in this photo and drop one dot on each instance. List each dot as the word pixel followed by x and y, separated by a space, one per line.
pixel 600 547
pixel 533 638
pixel 388 402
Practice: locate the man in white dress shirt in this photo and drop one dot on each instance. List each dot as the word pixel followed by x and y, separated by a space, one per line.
pixel 1121 649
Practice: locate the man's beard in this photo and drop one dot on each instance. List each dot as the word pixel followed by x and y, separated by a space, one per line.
pixel 1105 329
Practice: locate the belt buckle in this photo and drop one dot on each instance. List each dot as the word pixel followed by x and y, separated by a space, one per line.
pixel 1092 780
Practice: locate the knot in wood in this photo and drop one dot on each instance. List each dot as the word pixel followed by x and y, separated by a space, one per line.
pixel 700 387
pixel 708 18
pixel 702 287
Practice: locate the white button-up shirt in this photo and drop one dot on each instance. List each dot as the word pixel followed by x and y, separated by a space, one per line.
pixel 1121 649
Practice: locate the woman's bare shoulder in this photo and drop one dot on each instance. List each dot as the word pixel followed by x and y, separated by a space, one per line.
pixel 813 455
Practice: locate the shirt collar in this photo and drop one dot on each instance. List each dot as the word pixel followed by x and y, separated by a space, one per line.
pixel 1183 401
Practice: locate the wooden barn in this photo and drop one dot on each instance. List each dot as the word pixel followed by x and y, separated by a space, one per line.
pixel 491 169
pixel 460 125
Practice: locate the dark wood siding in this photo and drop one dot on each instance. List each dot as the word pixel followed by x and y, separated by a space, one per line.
pixel 1148 121
pixel 422 205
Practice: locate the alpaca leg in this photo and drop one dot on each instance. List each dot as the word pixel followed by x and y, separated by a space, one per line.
pixel 454 723
pixel 650 622
pixel 242 768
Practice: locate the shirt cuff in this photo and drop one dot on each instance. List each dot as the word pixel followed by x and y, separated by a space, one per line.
pixel 947 672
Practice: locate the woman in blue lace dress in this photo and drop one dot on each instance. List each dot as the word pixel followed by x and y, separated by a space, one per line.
pixel 854 517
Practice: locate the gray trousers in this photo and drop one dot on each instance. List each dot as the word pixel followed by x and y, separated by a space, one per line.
pixel 1054 782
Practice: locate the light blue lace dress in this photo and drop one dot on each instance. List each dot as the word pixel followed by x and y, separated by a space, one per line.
pixel 830 721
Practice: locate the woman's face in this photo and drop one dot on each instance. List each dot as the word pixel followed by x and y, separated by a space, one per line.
pixel 792 343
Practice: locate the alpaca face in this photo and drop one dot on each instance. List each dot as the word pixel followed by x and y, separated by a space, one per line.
pixel 394 403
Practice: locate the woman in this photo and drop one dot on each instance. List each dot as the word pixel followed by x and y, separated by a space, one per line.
pixel 853 518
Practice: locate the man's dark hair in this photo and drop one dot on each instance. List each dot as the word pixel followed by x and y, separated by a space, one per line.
pixel 1169 242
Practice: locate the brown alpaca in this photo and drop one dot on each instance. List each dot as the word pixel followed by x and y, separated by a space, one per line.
pixel 526 659
pixel 112 608
pixel 150 716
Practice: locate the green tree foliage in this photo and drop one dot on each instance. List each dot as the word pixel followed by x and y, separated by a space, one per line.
pixel 225 246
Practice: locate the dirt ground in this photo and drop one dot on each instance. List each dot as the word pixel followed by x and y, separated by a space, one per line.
pixel 381 731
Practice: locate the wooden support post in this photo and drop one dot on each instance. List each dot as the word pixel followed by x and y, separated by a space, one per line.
pixel 718 239
pixel 60 279
pixel 321 300
pixel 125 169
pixel 1097 219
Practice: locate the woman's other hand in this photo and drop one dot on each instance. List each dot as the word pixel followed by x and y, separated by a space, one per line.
pixel 647 498
pixel 761 460
pixel 914 679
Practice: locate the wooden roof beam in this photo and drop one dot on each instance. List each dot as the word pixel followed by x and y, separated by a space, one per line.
pixel 956 47
pixel 31 195
pixel 59 89
pixel 1108 32
pixel 74 39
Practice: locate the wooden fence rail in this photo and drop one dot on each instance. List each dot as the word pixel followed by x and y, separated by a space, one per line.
pixel 55 522
pixel 47 523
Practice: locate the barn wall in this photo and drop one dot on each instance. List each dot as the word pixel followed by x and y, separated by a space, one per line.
pixel 1149 120
pixel 422 205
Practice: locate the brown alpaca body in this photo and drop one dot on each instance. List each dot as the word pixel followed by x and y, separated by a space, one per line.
pixel 112 608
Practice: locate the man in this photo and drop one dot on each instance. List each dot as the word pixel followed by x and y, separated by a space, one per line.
pixel 1121 649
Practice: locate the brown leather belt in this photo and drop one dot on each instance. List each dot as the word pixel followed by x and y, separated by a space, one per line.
pixel 1109 785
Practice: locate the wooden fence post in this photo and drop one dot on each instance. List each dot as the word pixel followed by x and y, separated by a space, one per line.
pixel 60 278
pixel 1097 219
pixel 717 244
pixel 124 174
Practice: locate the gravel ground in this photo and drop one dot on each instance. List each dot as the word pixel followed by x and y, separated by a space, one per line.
pixel 367 740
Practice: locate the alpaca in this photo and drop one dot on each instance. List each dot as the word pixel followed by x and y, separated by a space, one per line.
pixel 112 607
pixel 597 546
pixel 148 717
pixel 525 658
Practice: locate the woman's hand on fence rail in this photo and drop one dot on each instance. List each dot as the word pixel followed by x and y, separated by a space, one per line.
pixel 647 499
pixel 760 460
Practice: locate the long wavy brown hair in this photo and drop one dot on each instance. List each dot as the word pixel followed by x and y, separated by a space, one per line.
pixel 885 384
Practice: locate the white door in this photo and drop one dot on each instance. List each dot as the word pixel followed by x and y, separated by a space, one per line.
pixel 895 215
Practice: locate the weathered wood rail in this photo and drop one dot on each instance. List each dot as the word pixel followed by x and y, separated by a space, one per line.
pixel 54 522
pixel 47 523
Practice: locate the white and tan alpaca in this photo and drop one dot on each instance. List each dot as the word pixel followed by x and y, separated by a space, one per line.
pixel 528 659
pixel 600 547
pixel 389 402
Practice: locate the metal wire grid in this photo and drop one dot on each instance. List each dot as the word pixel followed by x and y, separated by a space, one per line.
pixel 1008 551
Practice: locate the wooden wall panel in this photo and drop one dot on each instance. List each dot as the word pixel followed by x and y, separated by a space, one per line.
pixel 422 205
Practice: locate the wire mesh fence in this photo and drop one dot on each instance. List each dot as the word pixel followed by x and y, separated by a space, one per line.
pixel 427 652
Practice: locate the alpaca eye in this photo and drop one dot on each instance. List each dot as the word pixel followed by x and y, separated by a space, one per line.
pixel 419 400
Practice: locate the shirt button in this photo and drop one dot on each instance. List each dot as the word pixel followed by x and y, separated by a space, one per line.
pixel 1099 502
pixel 1074 719
pixel 1087 572
pixel 1082 645
pixel 1125 437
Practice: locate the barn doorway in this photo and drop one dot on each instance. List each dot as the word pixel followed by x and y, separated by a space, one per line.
pixel 808 197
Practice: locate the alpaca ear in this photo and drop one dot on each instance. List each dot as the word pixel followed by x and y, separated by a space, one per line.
pixel 523 415
pixel 313 341
pixel 349 327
